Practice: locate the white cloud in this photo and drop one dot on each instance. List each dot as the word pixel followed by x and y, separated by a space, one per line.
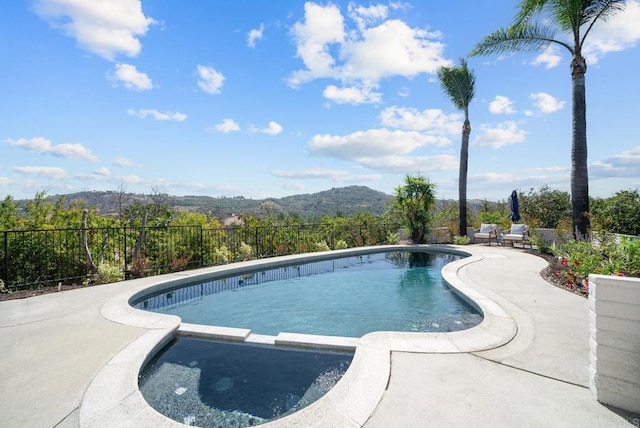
pixel 369 144
pixel 400 5
pixel 253 35
pixel 209 80
pixel 157 115
pixel 550 57
pixel 131 179
pixel 546 103
pixel 323 26
pixel 5 181
pixel 432 121
pixel 392 49
pixel 351 95
pixel 123 162
pixel 403 164
pixel 321 173
pixel 502 105
pixel 625 164
pixel 274 128
pixel 103 172
pixel 106 28
pixel 526 178
pixel 618 33
pixel 49 172
pixel 292 185
pixel 65 150
pixel 131 78
pixel 501 135
pixel 495 178
pixel 359 57
pixel 314 173
pixel 367 16
pixel 226 126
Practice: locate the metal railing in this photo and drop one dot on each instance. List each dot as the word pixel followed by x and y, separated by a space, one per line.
pixel 34 258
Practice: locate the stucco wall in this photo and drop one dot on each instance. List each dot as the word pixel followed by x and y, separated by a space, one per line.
pixel 614 306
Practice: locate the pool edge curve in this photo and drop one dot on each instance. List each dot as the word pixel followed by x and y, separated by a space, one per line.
pixel 113 397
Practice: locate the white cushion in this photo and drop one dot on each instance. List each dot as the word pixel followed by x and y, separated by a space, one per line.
pixel 513 237
pixel 486 228
pixel 518 228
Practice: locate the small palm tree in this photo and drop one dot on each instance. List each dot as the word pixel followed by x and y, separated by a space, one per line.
pixel 414 202
pixel 575 17
pixel 459 85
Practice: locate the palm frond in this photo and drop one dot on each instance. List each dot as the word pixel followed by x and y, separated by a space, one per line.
pixel 517 39
pixel 600 11
pixel 528 9
pixel 458 83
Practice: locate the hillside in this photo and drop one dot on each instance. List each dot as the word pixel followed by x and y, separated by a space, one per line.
pixel 345 201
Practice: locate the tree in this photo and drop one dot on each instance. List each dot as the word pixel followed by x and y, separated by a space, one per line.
pixel 414 202
pixel 9 219
pixel 545 208
pixel 459 85
pixel 577 18
pixel 619 213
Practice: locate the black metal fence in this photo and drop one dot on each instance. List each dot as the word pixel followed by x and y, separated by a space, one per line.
pixel 34 258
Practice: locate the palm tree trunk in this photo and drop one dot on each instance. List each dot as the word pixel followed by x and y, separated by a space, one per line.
pixel 462 179
pixel 579 169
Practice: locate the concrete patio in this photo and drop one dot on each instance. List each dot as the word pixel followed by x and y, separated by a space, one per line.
pixel 55 346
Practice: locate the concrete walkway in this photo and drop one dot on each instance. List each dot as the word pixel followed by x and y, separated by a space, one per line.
pixel 53 346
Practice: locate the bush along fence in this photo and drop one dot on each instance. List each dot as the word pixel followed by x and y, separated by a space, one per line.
pixel 36 258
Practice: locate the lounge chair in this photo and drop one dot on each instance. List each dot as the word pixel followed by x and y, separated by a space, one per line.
pixel 487 232
pixel 518 233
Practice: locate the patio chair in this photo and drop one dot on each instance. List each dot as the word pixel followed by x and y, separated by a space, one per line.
pixel 518 233
pixel 487 232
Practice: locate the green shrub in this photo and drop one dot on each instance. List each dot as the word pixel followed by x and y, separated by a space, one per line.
pixel 491 217
pixel 245 252
pixel 541 244
pixel 618 214
pixel 545 208
pixel 221 255
pixel 4 289
pixel 461 240
pixel 609 255
pixel 628 253
pixel 340 244
pixel 392 238
pixel 321 246
pixel 108 273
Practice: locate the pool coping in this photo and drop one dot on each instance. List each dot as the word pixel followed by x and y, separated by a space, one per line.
pixel 113 397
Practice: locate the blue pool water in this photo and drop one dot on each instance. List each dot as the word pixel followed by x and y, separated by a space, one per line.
pixel 394 291
pixel 218 384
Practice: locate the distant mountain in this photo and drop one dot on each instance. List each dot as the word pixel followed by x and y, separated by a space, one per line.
pixel 344 200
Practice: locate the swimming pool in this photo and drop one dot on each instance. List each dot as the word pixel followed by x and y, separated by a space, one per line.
pixel 114 397
pixel 351 296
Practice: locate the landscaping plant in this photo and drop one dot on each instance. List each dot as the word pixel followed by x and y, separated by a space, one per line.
pixel 608 255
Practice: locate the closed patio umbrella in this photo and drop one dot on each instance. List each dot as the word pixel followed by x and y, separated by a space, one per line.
pixel 514 205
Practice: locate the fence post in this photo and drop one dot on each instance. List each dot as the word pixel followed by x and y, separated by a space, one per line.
pixel 333 236
pixel 256 243
pixel 124 269
pixel 201 247
pixel 6 258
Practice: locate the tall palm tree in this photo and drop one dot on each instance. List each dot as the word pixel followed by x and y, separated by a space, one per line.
pixel 575 17
pixel 459 85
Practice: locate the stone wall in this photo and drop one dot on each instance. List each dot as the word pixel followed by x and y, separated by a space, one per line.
pixel 614 306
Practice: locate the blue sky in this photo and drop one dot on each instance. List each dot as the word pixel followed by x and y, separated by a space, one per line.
pixel 274 98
